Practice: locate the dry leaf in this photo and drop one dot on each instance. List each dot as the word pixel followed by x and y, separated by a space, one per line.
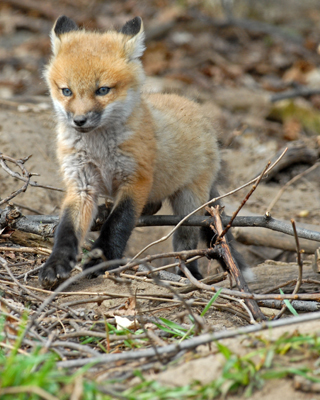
pixel 130 304
pixel 298 72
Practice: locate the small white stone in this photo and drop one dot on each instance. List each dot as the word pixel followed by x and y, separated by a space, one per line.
pixel 23 108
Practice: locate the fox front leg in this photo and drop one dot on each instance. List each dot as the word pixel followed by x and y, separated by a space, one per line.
pixel 114 234
pixel 119 225
pixel 77 212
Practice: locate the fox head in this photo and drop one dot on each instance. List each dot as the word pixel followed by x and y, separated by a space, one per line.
pixel 95 78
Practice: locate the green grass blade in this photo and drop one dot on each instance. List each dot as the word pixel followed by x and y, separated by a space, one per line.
pixel 214 298
pixel 289 305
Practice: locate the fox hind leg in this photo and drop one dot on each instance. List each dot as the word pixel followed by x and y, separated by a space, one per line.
pixel 184 202
pixel 151 208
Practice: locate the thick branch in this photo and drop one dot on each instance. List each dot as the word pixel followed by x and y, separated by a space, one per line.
pixel 268 238
pixel 45 225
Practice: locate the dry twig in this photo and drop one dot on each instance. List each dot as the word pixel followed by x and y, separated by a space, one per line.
pixel 26 176
pixel 254 186
pixel 35 390
pixel 284 187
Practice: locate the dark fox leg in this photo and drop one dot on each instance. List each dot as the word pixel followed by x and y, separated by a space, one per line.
pixel 186 237
pixel 151 208
pixel 64 254
pixel 114 234
pixel 120 223
pixel 78 209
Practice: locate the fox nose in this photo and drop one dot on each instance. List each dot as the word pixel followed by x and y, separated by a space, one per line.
pixel 80 120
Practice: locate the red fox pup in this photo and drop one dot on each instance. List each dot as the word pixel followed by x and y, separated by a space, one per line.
pixel 115 141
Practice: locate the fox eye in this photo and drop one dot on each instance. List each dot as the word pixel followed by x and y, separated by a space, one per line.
pixel 102 91
pixel 66 92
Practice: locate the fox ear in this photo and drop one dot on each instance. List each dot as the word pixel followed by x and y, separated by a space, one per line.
pixel 62 25
pixel 134 46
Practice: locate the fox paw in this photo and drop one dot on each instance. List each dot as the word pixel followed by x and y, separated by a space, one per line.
pixel 197 275
pixel 92 263
pixel 55 271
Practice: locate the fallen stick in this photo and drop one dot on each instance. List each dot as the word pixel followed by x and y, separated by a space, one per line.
pixel 298 305
pixel 290 94
pixel 267 238
pixel 32 390
pixel 33 250
pixel 45 225
pixel 189 344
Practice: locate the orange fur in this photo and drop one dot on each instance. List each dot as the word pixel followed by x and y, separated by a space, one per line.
pixel 137 148
pixel 81 210
pixel 167 131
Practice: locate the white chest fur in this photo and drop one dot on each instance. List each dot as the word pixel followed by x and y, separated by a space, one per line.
pixel 95 161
